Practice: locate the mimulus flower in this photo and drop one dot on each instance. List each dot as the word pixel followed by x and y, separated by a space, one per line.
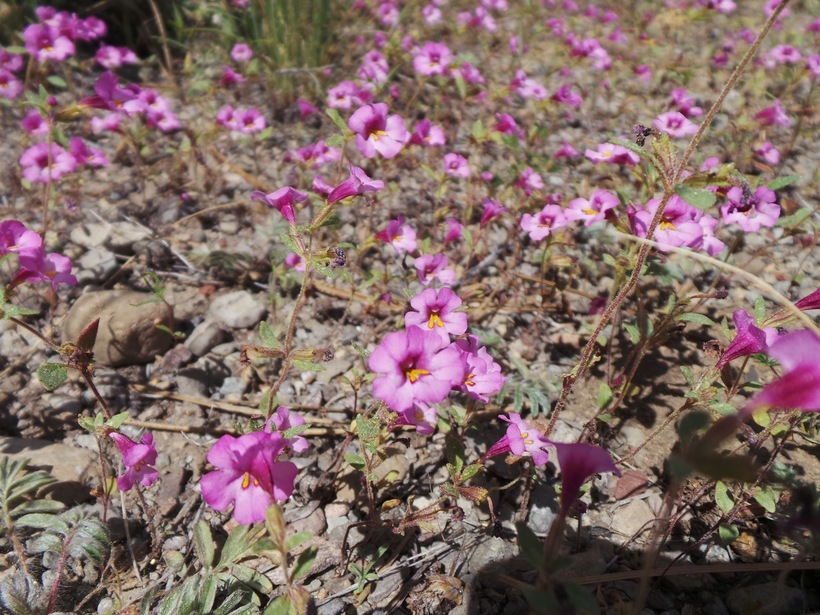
pixel 432 59
pixel 15 237
pixel 282 200
pixel 550 218
pixel 616 154
pixel 241 53
pixel 578 462
pixel 10 86
pixel 592 210
pixel 356 183
pixel 39 266
pixel 45 43
pixel 530 181
pixel 526 87
pixel 436 311
pixel 455 230
pixel 138 460
pixel 283 420
pixel 295 262
pixel 483 377
pixel 43 163
pixel 415 366
pixel 456 165
pixel 749 339
pixel 490 210
pixel 799 385
pixel 685 103
pixel 521 439
pixel 422 416
pixel 750 211
pixel 434 267
pixel 774 116
pixel 113 57
pixel 85 154
pixel 376 132
pixel 399 235
pixel 678 227
pixel 230 77
pixel 675 124
pixel 505 124
pixel 248 475
pixel 809 302
pixel 769 153
pixel 426 133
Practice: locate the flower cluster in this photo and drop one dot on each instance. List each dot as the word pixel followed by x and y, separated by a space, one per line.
pixel 35 263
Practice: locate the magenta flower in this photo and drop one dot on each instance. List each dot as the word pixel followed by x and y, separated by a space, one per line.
pixel 566 151
pixel 416 366
pixel 456 165
pixel 526 87
pixel 248 475
pixel 549 219
pixel 35 124
pixel 283 420
pixel 685 103
pixel 578 462
pixel 483 377
pixel 345 95
pixel 769 153
pixel 592 210
pixel 521 439
pixel 39 266
pixel 799 386
pixel 44 163
pixel 490 209
pixel 436 311
pixel 675 124
pixel 306 108
pixel 748 340
pixel 295 262
pixel 113 57
pixel 11 62
pixel 15 237
pixel 432 59
pixel 85 154
pixel 282 200
pixel 113 97
pixel 774 116
pixel 249 120
pixel 809 302
pixel 230 77
pixel 469 73
pixel 138 460
pixel 750 211
pixel 357 183
pixel 428 134
pixel 506 124
pixel 241 53
pixel 399 235
pixel 530 181
pixel 678 227
pixel 422 416
pixel 376 132
pixel 45 43
pixel 10 86
pixel 567 96
pixel 434 267
pixel 616 154
pixel 455 230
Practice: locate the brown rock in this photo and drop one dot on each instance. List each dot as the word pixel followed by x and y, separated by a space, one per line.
pixel 128 333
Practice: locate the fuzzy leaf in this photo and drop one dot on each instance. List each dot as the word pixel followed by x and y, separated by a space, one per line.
pixel 116 421
pixel 795 219
pixel 37 506
pixel 304 562
pixel 333 114
pixel 308 366
pixel 280 606
pixel 268 337
pixel 696 197
pixel 698 319
pixel 204 544
pixel 356 461
pixel 52 375
pixel 454 451
pixel 604 396
pixel 727 533
pixel 236 546
pixel 297 539
pixel 253 578
pixel 722 497
pixel 766 498
pixel 208 591
pixel 44 521
pixel 781 182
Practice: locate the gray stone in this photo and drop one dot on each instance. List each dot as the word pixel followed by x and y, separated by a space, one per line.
pixel 543 509
pixel 72 466
pixel 633 517
pixel 232 387
pixel 90 236
pixel 766 599
pixel 96 265
pixel 192 382
pixel 237 310
pixel 124 235
pixel 204 337
pixel 127 334
pixel 334 607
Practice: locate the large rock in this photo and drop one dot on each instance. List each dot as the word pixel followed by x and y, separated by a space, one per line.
pixel 237 310
pixel 128 333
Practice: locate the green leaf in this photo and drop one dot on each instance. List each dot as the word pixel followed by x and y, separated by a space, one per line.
pixel 304 561
pixel 208 591
pixel 766 498
pixel 297 539
pixel 781 182
pixel 52 375
pixel 57 81
pixel 454 452
pixel 531 546
pixel 268 337
pixel 116 421
pixel 37 506
pixel 308 366
pixel 333 114
pixel 15 311
pixel 604 396
pixel 44 521
pixel 795 219
pixel 280 606
pixel 723 498
pixel 698 319
pixel 697 197
pixel 638 150
pixel 723 408
pixel 727 534
pixel 581 598
pixel 204 544
pixel 633 331
pixel 471 470
pixel 356 461
pixel 255 579
pixel 236 546
pixel 335 140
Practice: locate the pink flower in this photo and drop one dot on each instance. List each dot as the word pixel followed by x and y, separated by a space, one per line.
pixel 295 262
pixel 567 96
pixel 784 54
pixel 799 385
pixel 345 95
pixel 241 53
pixel 685 103
pixel 249 120
pixel 616 154
pixel 769 153
pixel 248 474
pixel 434 267
pixel 113 97
pixel 549 219
pixel 748 340
pixel 282 200
pixel 399 235
pixel 45 43
pixel 230 77
pixel 11 62
pixel 427 134
pixel 35 124
pixel 416 367
pixel 357 183
pixel 39 266
pixel 490 210
pixel 578 462
pixel 306 108
pixel 678 227
pixel 469 73
pixel 521 439
pixel 526 87
pixel 592 210
pixel 113 57
pixel 431 14
pixel 85 154
pixel 483 375
pixel 284 420
pixel 15 237
pixel 436 311
pixel 505 124
pixel 422 416
pixel 43 163
pixel 774 116
pixel 138 460
pixel 376 132
pixel 566 151
pixel 432 59
pixel 750 211
pixel 675 124
pixel 374 68
pixel 456 165
pixel 809 302
pixel 10 86
pixel 455 230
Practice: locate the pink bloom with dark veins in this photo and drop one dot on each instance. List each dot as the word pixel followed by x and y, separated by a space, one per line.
pixel 282 200
pixel 15 237
pixel 490 209
pixel 456 165
pixel 593 209
pixel 434 267
pixel 750 211
pixel 748 340
pixel 675 124
pixel 432 59
pixel 415 366
pixel 616 154
pixel 284 420
pixel 43 163
pixel 774 116
pixel 399 235
pixel 436 311
pixel 578 462
pixel 428 134
pixel 483 375
pixel 376 132
pixel 39 266
pixel 138 460
pixel 85 154
pixel 241 53
pixel 809 302
pixel 356 183
pixel 520 439
pixel 540 225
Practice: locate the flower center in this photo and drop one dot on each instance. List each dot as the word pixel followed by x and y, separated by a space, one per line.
pixel 415 373
pixel 468 380
pixel 666 225
pixel 434 321
pixel 246 481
